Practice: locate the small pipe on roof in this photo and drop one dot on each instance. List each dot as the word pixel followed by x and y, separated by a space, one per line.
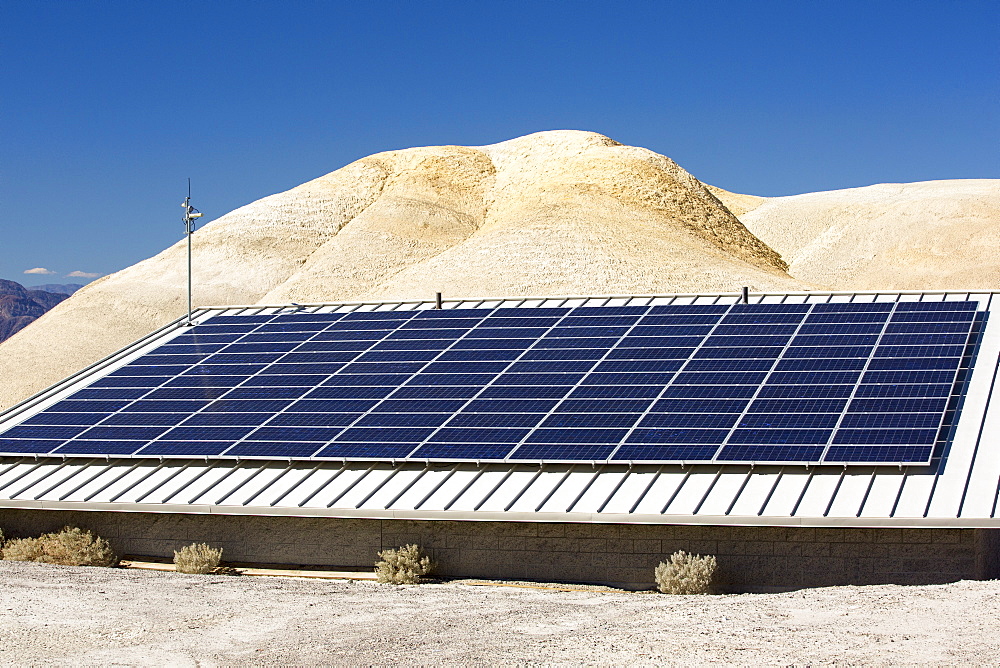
pixel 745 298
pixel 437 301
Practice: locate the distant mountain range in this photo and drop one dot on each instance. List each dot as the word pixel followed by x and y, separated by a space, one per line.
pixel 20 306
pixel 58 288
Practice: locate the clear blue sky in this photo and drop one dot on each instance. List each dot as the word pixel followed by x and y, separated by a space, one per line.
pixel 107 107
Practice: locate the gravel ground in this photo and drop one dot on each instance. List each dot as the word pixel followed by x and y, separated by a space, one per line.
pixel 62 615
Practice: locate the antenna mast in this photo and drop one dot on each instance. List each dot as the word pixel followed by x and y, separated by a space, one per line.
pixel 191 214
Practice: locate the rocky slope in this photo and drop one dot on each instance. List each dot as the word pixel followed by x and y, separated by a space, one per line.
pixel 20 306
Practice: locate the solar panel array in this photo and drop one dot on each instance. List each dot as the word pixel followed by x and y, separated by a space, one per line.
pixel 819 383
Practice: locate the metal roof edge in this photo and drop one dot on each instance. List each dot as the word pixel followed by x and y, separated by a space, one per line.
pixel 803 293
pixel 478 516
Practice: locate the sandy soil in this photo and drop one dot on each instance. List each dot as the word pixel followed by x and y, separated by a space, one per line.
pixel 65 615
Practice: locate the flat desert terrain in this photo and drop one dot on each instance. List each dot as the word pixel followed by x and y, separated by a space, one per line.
pixel 64 615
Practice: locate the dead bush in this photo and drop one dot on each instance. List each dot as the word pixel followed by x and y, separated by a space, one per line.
pixel 405 565
pixel 685 574
pixel 197 558
pixel 70 547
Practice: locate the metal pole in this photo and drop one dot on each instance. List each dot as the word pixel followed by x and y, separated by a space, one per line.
pixel 189 322
pixel 745 297
pixel 437 301
pixel 190 215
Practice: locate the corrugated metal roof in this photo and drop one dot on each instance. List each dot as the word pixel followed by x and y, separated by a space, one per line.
pixel 959 488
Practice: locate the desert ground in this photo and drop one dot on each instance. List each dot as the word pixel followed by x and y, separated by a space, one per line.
pixel 66 615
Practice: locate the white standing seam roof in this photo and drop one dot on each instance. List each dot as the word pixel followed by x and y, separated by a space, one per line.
pixel 958 489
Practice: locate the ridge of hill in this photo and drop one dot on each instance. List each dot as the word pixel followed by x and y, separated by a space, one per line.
pixel 553 213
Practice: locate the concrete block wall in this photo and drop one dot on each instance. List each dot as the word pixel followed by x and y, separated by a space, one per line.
pixel 750 558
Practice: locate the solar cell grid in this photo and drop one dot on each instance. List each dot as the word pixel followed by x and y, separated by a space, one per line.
pixel 614 391
pixel 500 373
pixel 690 420
pixel 496 420
pixel 805 391
pixel 524 391
pixel 941 390
pixel 557 342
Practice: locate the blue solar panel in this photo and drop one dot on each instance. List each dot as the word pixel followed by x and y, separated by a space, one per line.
pixel 403 420
pixel 44 431
pixel 206 381
pixel 690 420
pixel 267 393
pixel 483 435
pixel 18 446
pixel 462 451
pixel 720 378
pixel 678 436
pixel 496 420
pixel 805 391
pixel 511 405
pixel 562 452
pixel 779 436
pixel 103 447
pixel 771 453
pixel 525 392
pixel 591 420
pixel 313 419
pixel 630 452
pixel 318 434
pixel 225 419
pixel 787 420
pixel 872 454
pixel 939 390
pixel 123 433
pixel 633 383
pixel 436 392
pixel 699 406
pixel 202 433
pixel 604 405
pixel 349 392
pixel 373 450
pixel 571 366
pixel 185 448
pixel 615 392
pixel 66 419
pixel 271 449
pixel 852 307
pixel 150 419
pixel 709 391
pixel 285 382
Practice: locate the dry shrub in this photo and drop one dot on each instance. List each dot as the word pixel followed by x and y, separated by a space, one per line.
pixel 403 566
pixel 685 574
pixel 197 558
pixel 70 547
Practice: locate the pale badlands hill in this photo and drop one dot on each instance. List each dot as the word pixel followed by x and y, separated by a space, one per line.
pixel 553 213
pixel 908 236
